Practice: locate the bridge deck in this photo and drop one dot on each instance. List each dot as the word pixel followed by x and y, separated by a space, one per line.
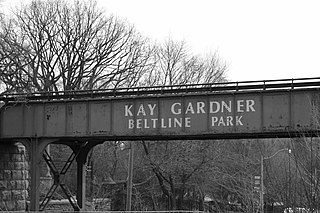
pixel 275 108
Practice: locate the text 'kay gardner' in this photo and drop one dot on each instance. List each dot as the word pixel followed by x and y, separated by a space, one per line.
pixel 178 115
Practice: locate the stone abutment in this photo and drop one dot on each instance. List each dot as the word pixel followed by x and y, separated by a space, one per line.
pixel 13 177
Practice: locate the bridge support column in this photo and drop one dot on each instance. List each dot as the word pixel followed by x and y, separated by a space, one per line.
pixel 13 177
pixel 81 173
pixel 35 157
pixel 81 182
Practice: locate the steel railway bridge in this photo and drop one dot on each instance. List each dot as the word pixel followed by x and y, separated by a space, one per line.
pixel 84 119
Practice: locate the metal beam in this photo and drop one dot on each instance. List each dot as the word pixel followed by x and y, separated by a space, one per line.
pixel 282 113
pixel 35 174
pixel 81 184
pixel 58 181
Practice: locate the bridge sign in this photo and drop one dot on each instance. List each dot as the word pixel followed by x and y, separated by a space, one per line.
pixel 197 114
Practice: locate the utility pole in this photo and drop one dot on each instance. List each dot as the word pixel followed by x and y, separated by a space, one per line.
pixel 262 175
pixel 261 186
pixel 129 181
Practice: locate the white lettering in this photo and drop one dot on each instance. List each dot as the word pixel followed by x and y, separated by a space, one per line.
pixel 217 108
pixel 226 121
pixel 141 110
pixel 174 110
pixel 154 122
pixel 146 124
pixel 187 122
pixel 229 121
pixel 169 119
pixel 240 106
pixel 190 108
pixel 200 107
pixel 214 120
pixel 139 123
pixel 221 122
pixel 152 107
pixel 250 107
pixel 127 110
pixel 221 114
pixel 238 121
pixel 226 106
pixel 163 124
pixel 131 124
pixel 177 122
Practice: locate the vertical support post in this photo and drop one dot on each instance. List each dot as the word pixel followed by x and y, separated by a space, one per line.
pixel 35 175
pixel 47 166
pixel 91 182
pixel 261 186
pixel 81 181
pixel 290 176
pixel 129 181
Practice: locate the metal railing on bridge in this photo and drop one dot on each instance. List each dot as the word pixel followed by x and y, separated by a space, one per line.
pixel 264 85
pixel 109 211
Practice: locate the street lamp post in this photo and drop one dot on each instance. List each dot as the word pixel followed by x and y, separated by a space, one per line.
pixel 261 186
pixel 262 176
pixel 129 180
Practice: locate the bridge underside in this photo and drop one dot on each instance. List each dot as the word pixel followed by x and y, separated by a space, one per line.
pixel 81 121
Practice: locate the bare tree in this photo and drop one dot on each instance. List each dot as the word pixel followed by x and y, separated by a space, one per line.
pixel 176 66
pixel 178 168
pixel 52 45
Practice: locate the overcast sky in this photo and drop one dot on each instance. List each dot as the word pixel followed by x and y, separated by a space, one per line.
pixel 269 39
